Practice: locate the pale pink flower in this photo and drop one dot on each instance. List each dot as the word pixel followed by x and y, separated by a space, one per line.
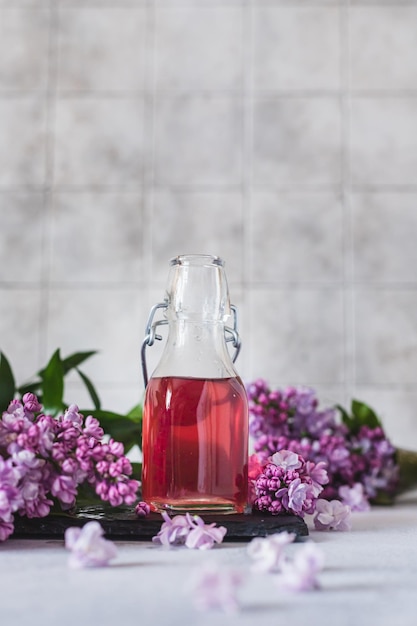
pixel 188 530
pixel 301 574
pixel 203 536
pixel 268 552
pixel 173 531
pixel 355 497
pixel 216 588
pixel 88 546
pixel 333 515
pixel 286 459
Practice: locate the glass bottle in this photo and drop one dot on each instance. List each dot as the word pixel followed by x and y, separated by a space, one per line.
pixel 195 418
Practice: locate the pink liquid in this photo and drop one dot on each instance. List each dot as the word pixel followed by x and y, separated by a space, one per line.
pixel 195 442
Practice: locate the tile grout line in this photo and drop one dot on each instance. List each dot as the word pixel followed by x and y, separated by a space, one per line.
pixel 247 132
pixel 49 175
pixel 296 188
pixel 148 142
pixel 150 146
pixel 348 290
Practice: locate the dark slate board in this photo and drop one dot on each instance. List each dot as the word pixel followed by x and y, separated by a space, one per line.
pixel 124 524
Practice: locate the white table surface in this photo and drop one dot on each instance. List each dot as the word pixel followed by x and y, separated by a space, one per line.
pixel 370 577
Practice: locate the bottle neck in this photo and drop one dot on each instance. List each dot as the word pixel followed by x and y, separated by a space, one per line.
pixel 195 349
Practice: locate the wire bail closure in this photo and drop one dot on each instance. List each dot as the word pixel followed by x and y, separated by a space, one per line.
pixel 231 335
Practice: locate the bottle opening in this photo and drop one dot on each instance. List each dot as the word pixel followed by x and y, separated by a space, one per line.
pixel 202 260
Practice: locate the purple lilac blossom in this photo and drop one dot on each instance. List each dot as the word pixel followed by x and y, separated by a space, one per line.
pixel 50 457
pixel 301 574
pixel 188 530
pixel 291 419
pixel 10 497
pixel 216 588
pixel 142 509
pixel 267 553
pixel 288 487
pixel 354 497
pixel 286 459
pixel 333 515
pixel 203 536
pixel 88 546
pixel 173 532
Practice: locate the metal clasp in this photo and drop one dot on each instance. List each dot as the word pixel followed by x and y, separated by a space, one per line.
pixel 231 335
pixel 234 335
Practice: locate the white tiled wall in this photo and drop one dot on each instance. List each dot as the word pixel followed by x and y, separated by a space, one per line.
pixel 278 134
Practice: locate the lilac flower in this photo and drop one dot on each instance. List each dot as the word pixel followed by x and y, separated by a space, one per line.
pixel 88 546
pixel 216 588
pixel 203 536
pixel 31 403
pixel 301 573
pixel 332 515
pixel 318 474
pixel 72 414
pixel 92 427
pixel 188 530
pixel 290 419
pixel 354 497
pixel 10 496
pixel 64 488
pixel 173 531
pixel 286 459
pixel 6 529
pixel 35 500
pixel 289 486
pixel 142 509
pixel 42 456
pixel 297 495
pixel 268 552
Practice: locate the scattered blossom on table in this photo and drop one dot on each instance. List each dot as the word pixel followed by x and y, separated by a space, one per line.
pixel 188 530
pixel 88 547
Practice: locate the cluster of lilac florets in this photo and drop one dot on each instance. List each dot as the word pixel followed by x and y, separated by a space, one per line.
pixel 289 483
pixel 290 419
pixel 44 459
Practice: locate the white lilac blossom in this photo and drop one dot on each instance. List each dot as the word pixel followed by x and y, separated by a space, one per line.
pixel 301 574
pixel 333 515
pixel 88 547
pixel 43 458
pixel 188 530
pixel 354 497
pixel 216 588
pixel 267 553
pixel 351 450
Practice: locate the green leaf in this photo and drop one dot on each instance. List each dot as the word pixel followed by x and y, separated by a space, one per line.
pixel 122 428
pixel 136 413
pixel 53 385
pixel 361 415
pixel 364 414
pixel 73 361
pixel 7 383
pixel 137 471
pixel 91 389
pixel 346 419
